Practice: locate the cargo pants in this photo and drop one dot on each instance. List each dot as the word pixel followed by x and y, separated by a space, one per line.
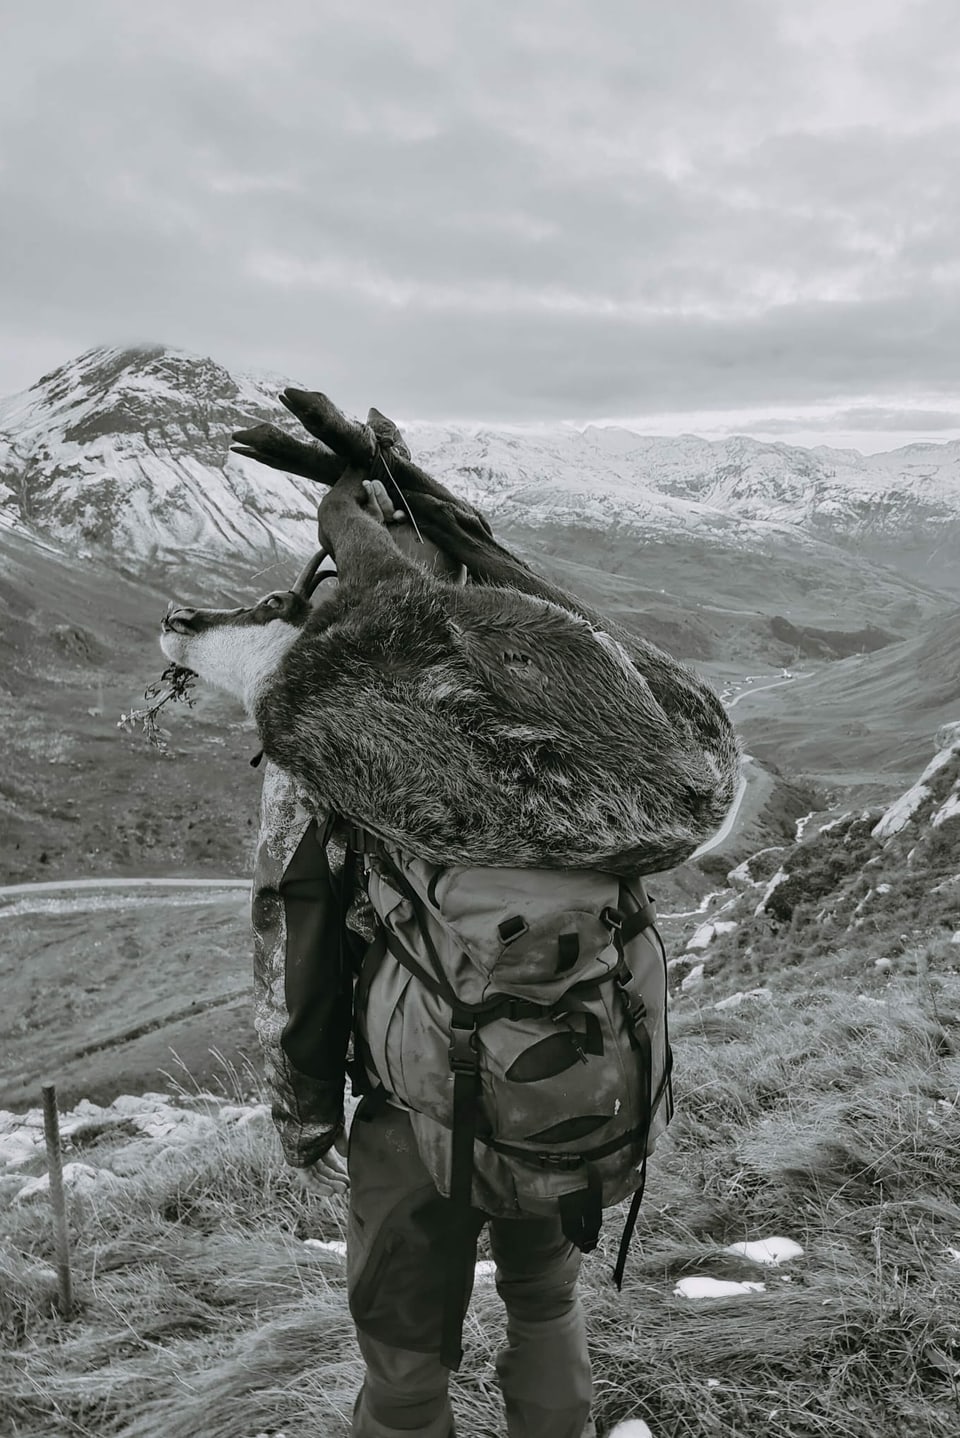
pixel 395 1270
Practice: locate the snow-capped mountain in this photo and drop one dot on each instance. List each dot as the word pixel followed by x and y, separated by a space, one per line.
pixel 127 450
pixel 825 492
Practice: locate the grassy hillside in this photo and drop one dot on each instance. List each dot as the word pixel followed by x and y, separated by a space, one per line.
pixel 78 645
pixel 109 991
pixel 826 1113
pixel 872 713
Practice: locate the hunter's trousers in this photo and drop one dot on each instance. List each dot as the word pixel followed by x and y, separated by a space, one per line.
pixel 396 1260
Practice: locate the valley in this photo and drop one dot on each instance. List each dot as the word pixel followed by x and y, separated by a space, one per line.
pixel 117 492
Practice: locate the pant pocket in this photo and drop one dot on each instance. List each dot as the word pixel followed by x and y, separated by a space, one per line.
pixel 395 1285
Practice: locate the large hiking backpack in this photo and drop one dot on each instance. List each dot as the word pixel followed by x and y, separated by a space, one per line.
pixel 520 1016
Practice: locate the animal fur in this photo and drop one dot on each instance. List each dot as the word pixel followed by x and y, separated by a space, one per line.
pixel 485 726
pixel 491 724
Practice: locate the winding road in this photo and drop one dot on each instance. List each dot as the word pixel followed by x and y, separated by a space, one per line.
pixel 52 885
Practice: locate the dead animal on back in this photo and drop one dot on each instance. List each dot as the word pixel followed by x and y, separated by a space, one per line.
pixel 500 723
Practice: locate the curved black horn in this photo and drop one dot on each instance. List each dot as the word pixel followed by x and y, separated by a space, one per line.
pixel 310 577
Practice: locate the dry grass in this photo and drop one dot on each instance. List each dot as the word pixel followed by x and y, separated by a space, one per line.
pixel 823 1116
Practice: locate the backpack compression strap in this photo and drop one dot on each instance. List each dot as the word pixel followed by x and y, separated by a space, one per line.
pixel 465 1063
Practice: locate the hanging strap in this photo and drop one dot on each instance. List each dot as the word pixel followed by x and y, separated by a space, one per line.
pixel 465 1063
pixel 628 1228
pixel 636 1012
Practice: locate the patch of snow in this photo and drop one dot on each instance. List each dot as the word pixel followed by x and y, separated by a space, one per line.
pixel 954 1254
pixel 705 934
pixel 956 938
pixel 733 1001
pixel 327 1245
pixel 701 1286
pixel 948 810
pixel 833 823
pixel 630 1428
pixel 902 810
pixel 801 825
pixel 767 1250
pixel 77 1177
pixel 779 877
pixel 741 875
pixel 703 905
pixel 948 735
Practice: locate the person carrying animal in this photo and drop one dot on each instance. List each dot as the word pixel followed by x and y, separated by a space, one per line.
pixel 475 947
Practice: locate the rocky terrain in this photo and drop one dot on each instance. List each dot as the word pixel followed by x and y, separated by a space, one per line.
pixel 890 872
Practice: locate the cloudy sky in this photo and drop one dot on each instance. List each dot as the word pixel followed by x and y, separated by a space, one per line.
pixel 701 215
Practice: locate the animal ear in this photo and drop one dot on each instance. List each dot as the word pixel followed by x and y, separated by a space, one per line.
pixel 388 433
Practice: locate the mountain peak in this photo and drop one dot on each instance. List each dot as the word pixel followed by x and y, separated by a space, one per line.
pixel 127 447
pixel 106 370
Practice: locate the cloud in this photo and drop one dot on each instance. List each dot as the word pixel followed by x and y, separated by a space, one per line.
pixel 576 211
pixel 863 419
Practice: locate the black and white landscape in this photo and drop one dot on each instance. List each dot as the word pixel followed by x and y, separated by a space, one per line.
pixel 818 589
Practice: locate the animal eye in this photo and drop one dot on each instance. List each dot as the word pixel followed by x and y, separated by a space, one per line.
pixel 273 601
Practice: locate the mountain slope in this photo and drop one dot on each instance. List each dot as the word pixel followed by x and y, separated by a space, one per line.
pixel 126 452
pixel 871 712
pixel 78 644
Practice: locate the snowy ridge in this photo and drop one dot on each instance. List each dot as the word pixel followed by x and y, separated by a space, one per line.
pixel 771 483
pixel 127 450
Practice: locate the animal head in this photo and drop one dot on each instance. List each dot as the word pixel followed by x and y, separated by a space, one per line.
pixel 240 649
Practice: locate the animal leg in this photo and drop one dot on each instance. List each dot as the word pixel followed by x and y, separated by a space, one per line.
pixel 359 541
pixel 273 447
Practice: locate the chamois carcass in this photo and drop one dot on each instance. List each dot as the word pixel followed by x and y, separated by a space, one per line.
pixel 500 722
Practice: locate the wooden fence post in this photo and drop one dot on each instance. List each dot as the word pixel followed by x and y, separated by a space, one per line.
pixel 51 1129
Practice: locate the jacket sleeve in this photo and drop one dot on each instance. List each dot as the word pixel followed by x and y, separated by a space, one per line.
pixel 303 982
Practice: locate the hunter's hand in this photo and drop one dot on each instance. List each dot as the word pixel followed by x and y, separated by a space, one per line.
pixel 352 492
pixel 380 504
pixel 328 1176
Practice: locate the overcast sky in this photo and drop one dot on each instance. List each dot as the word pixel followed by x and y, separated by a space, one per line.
pixel 699 215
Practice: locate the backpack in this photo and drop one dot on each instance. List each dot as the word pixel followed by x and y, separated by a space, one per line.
pixel 520 1016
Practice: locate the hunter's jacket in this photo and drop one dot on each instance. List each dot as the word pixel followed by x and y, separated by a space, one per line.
pixel 309 936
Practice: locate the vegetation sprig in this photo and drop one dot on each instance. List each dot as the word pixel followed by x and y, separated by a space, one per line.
pixel 178 682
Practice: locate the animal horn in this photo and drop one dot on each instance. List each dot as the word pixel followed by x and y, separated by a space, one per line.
pixel 310 577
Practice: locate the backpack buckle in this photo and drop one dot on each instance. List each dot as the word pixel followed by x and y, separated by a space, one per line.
pixel 463 1048
pixel 613 918
pixel 630 990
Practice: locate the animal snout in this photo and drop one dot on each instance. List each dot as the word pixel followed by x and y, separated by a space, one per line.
pixel 179 619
